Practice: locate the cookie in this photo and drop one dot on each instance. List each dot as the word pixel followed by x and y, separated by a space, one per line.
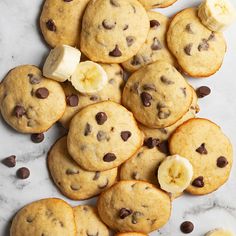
pixel 50 216
pixel 131 234
pixel 113 30
pixel 157 94
pixel 112 91
pixel 162 134
pixel 88 222
pixel 97 134
pixel 29 102
pixel 209 151
pixel 148 4
pixel 134 206
pixel 61 20
pixel 154 47
pixel 73 181
pixel 198 50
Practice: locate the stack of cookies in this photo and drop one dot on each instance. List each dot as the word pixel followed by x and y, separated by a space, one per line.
pixel 134 142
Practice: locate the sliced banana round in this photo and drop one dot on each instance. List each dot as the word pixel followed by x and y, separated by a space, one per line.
pixel 175 174
pixel 89 77
pixel 216 15
pixel 220 232
pixel 61 63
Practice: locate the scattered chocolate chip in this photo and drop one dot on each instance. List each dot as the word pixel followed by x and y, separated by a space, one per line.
pixel 135 61
pixel 165 80
pixel 146 99
pixel 9 161
pixel 124 212
pixel 108 25
pixel 125 135
pixel 126 27
pixel 212 36
pixel 187 227
pixel 101 118
pixel 203 46
pixel 188 28
pixel 135 217
pixel 19 111
pixel 151 142
pixel 103 185
pixel 23 173
pixel 149 87
pixel 156 45
pixel 72 100
pixel 130 40
pixel 29 219
pixel 42 93
pixel 109 157
pixel 198 182
pixel 72 172
pixel 184 91
pixel 163 130
pixel 203 91
pixel 94 98
pixel 202 149
pixel 101 136
pixel 154 23
pixel 37 138
pixel 115 52
pixel 188 48
pixel 88 129
pixel 97 175
pixel 115 3
pixel 164 147
pixel 51 25
pixel 35 79
pixel 222 162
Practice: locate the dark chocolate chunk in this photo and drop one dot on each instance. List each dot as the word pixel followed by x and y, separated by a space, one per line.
pixel 72 100
pixel 23 173
pixel 124 212
pixel 198 182
pixel 109 157
pixel 51 25
pixel 164 147
pixel 222 162
pixel 156 45
pixel 115 52
pixel 165 80
pixel 203 91
pixel 88 129
pixel 151 142
pixel 108 25
pixel 202 149
pixel 37 138
pixel 187 227
pixel 125 135
pixel 9 161
pixel 42 93
pixel 188 48
pixel 146 99
pixel 101 118
pixel 19 111
pixel 154 23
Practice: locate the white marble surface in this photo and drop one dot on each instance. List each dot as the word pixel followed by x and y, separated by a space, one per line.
pixel 21 43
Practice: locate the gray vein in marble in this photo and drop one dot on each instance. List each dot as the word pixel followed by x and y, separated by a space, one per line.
pixel 31 156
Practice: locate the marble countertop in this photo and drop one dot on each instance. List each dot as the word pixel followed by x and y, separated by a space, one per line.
pixel 21 43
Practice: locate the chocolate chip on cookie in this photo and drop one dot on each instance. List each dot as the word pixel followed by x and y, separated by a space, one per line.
pixel 88 129
pixel 34 78
pixel 101 118
pixel 23 173
pixel 154 23
pixel 9 161
pixel 109 157
pixel 72 100
pixel 156 45
pixel 188 48
pixel 203 46
pixel 37 138
pixel 222 162
pixel 108 25
pixel 125 135
pixel 130 40
pixel 115 3
pixel 166 80
pixel 124 212
pixel 151 142
pixel 164 147
pixel 146 99
pixel 198 182
pixel 42 93
pixel 202 149
pixel 115 52
pixel 189 29
pixel 19 111
pixel 51 25
pixel 203 91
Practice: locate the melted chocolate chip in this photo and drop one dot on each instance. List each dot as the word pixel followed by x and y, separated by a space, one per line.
pixel 125 135
pixel 130 40
pixel 146 99
pixel 97 175
pixel 115 52
pixel 135 61
pixel 203 46
pixel 222 162
pixel 188 28
pixel 72 100
pixel 94 98
pixel 124 212
pixel 165 80
pixel 198 182
pixel 164 147
pixel 34 79
pixel 101 136
pixel 149 87
pixel 151 142
pixel 115 3
pixel 203 91
pixel 23 173
pixel 188 48
pixel 101 118
pixel 126 27
pixel 109 157
pixel 37 138
pixel 88 129
pixel 108 25
pixel 9 161
pixel 202 149
pixel 156 45
pixel 51 25
pixel 154 23
pixel 187 227
pixel 19 111
pixel 42 93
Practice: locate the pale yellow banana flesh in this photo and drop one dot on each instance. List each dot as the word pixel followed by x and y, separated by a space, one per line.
pixel 220 232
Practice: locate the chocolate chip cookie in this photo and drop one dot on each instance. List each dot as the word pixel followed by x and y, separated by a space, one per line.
pixel 102 136
pixel 209 151
pixel 61 20
pixel 76 101
pixel 130 206
pixel 157 94
pixel 73 181
pixel 148 4
pixel 113 30
pixel 29 102
pixel 154 47
pixel 198 50
pixel 88 222
pixel 50 216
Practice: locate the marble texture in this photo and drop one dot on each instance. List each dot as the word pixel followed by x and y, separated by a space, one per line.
pixel 21 43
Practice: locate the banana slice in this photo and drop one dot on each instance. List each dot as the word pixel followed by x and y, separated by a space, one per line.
pixel 61 63
pixel 89 77
pixel 220 232
pixel 216 15
pixel 175 174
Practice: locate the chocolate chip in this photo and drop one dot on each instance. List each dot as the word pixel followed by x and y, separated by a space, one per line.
pixel 94 98
pixel 165 80
pixel 72 172
pixel 212 36
pixel 154 23
pixel 136 176
pixel 42 93
pixel 9 161
pixel 146 99
pixel 125 135
pixel 35 79
pixel 222 162
pixel 72 100
pixel 115 52
pixel 51 25
pixel 188 28
pixel 23 173
pixel 135 61
pixel 151 142
pixel 187 227
pixel 188 48
pixel 203 91
pixel 19 111
pixel 108 25
pixel 37 138
pixel 164 147
pixel 109 157
pixel 88 129
pixel 97 175
pixel 67 0
pixel 101 118
pixel 115 3
pixel 149 87
pixel 130 40
pixel 156 45
pixel 124 212
pixel 163 130
pixel 126 27
pixel 198 182
pixel 101 136
pixel 203 46
pixel 184 91
pixel 103 185
pixel 202 149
